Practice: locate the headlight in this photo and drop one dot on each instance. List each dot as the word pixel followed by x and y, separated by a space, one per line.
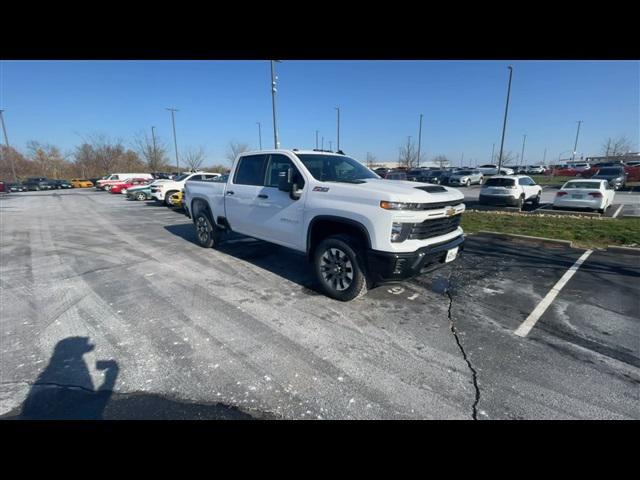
pixel 399 205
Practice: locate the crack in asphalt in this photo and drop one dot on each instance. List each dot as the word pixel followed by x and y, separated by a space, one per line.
pixel 474 414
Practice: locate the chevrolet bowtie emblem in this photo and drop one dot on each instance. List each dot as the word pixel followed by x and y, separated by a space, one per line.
pixel 450 212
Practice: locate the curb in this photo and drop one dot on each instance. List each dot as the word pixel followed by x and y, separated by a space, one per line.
pixel 546 211
pixel 625 250
pixel 527 239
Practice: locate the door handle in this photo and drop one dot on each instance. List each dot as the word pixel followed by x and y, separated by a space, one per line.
pixel 262 195
pixel 230 192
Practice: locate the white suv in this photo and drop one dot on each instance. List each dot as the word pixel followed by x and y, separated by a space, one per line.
pixel 162 190
pixel 510 190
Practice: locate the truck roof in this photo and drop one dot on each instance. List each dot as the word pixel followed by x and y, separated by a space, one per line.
pixel 292 150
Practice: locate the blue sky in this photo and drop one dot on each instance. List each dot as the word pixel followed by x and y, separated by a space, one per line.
pixel 462 101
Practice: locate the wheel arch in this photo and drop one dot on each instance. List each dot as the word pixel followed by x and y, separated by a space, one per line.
pixel 323 226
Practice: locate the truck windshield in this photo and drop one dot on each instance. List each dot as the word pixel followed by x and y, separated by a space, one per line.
pixel 335 168
pixel 179 178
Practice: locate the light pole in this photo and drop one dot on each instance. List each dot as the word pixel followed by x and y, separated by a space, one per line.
pixel 493 147
pixel 273 103
pixel 544 157
pixel 506 111
pixel 524 139
pixel 6 141
pixel 575 147
pixel 259 135
pixel 330 146
pixel 338 109
pixel 316 139
pixel 153 137
pixel 419 139
pixel 322 148
pixel 175 140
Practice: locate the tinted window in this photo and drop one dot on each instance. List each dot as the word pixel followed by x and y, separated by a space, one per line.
pixel 610 171
pixel 195 178
pixel 464 172
pixel 500 182
pixel 526 181
pixel 591 185
pixel 335 168
pixel 250 170
pixel 280 163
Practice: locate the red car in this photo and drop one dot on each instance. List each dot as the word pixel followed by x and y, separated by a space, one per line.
pixel 127 184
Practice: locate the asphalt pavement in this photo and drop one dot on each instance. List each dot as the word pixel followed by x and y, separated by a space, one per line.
pixel 111 310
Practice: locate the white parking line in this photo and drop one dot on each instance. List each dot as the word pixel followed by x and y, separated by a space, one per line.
pixel 534 316
pixel 617 211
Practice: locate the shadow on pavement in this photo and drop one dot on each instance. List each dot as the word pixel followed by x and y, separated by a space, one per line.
pixel 64 391
pixel 282 261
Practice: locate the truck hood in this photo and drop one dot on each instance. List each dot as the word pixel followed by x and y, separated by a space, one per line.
pixel 399 190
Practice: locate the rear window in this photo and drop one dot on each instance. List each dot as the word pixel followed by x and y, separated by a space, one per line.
pixel 250 170
pixel 500 182
pixel 591 185
pixel 610 171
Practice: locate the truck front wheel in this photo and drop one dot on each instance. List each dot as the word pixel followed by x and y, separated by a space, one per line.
pixel 207 233
pixel 338 267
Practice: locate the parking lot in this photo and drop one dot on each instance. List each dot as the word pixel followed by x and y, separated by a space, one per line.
pixel 627 203
pixel 241 332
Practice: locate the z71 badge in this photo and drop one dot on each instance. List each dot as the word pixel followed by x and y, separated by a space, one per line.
pixel 320 189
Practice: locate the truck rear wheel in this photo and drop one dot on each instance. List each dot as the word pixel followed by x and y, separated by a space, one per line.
pixel 207 234
pixel 167 197
pixel 339 268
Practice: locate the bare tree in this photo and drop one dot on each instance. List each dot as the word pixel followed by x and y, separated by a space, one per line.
pixel 50 162
pixel 153 153
pixel 507 157
pixel 193 157
pixel 442 161
pixel 235 149
pixel 616 146
pixel 408 154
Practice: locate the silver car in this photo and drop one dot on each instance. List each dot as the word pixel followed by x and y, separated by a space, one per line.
pixel 466 177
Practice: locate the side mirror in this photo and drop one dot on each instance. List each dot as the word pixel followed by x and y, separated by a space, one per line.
pixel 285 182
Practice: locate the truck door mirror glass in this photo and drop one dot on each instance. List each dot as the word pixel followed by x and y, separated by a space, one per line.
pixel 285 181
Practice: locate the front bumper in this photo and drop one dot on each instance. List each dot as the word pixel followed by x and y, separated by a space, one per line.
pixel 498 200
pixel 388 267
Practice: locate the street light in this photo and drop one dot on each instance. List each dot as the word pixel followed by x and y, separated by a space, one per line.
pixel 524 139
pixel 419 139
pixel 259 135
pixel 6 141
pixel 175 141
pixel 273 103
pixel 506 111
pixel 316 139
pixel 575 147
pixel 338 109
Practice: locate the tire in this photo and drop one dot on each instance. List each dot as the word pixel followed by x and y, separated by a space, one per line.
pixel 601 211
pixel 536 201
pixel 338 265
pixel 520 202
pixel 167 196
pixel 468 184
pixel 107 188
pixel 141 196
pixel 207 234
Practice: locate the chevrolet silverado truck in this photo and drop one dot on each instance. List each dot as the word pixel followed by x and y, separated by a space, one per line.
pixel 357 229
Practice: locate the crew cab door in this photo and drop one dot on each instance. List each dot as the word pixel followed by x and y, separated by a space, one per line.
pixel 280 215
pixel 241 195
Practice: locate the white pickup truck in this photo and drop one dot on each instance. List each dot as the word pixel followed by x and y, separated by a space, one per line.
pixel 358 229
pixel 162 190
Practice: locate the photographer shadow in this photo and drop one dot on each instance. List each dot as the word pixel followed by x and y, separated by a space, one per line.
pixel 64 390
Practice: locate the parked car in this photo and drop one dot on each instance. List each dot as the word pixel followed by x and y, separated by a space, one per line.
pixel 176 199
pixel 2 187
pixel 492 169
pixel 513 191
pixel 396 175
pixel 536 170
pixel 14 187
pixel 105 184
pixel 81 183
pixel 580 166
pixel 382 171
pixel 162 190
pixel 127 184
pixel 37 183
pixel 141 192
pixel 435 176
pixel 592 194
pixel 616 176
pixel 466 178
pixel 357 229
pixel 58 184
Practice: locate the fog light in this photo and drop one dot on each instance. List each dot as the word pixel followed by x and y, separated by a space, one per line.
pixel 396 231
